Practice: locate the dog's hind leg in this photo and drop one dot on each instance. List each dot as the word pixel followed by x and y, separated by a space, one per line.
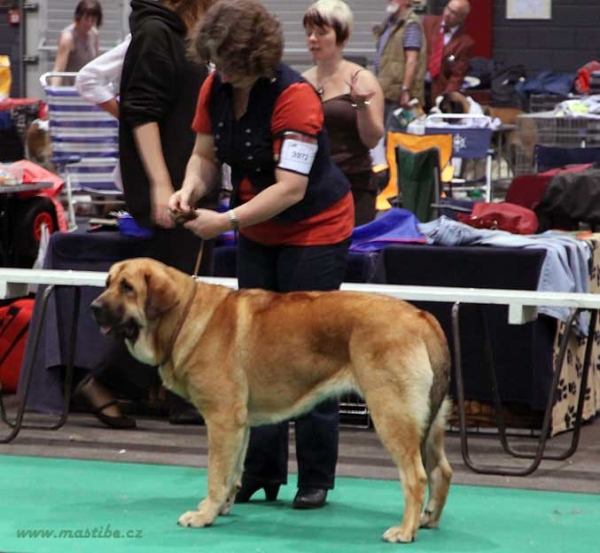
pixel 438 469
pixel 400 431
pixel 225 441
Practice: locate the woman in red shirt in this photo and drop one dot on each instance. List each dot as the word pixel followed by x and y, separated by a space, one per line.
pixel 291 205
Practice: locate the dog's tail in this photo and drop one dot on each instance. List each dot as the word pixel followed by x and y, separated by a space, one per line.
pixel 440 362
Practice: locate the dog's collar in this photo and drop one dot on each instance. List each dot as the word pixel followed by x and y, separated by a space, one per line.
pixel 179 325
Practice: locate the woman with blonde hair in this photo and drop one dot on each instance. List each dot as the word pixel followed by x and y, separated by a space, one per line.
pixel 352 100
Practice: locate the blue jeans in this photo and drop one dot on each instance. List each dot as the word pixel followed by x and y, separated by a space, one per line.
pixel 288 269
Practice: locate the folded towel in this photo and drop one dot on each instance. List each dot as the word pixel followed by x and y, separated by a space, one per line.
pixel 395 226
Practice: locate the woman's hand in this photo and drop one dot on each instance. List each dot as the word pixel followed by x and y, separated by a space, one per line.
pixel 179 207
pixel 359 94
pixel 208 224
pixel 367 96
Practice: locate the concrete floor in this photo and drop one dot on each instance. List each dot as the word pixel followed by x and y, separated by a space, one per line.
pixel 360 452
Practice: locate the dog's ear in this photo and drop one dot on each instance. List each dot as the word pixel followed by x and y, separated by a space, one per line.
pixel 162 294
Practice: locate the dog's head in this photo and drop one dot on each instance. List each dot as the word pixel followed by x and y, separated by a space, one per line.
pixel 452 102
pixel 38 145
pixel 137 292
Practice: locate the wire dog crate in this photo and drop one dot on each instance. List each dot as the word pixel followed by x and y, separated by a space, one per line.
pixel 546 102
pixel 354 411
pixel 547 129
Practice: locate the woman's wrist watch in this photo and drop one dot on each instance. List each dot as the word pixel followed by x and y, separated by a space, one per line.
pixel 233 220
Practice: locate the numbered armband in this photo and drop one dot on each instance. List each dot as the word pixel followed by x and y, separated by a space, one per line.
pixel 297 152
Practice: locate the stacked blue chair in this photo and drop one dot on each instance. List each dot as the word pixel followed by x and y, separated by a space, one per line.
pixel 85 143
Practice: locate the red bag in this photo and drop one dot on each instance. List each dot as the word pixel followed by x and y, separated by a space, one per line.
pixel 14 325
pixel 584 76
pixel 501 216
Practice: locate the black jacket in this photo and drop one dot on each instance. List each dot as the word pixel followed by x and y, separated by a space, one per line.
pixel 159 84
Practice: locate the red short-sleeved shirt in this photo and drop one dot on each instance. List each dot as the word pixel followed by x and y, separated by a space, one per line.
pixel 299 109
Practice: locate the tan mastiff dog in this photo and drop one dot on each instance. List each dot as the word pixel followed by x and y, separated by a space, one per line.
pixel 253 357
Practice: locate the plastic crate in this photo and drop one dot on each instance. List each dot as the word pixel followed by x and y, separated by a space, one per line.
pixel 354 411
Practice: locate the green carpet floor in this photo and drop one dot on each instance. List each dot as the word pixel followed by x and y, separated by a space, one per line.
pixel 92 502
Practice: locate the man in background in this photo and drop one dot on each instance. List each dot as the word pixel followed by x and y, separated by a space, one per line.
pixel 449 49
pixel 401 56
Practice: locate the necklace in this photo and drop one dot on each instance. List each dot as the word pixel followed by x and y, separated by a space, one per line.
pixel 322 83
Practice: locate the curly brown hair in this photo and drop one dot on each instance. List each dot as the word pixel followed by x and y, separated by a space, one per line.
pixel 242 36
pixel 190 11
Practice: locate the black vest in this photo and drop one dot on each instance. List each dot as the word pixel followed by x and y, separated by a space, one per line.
pixel 247 145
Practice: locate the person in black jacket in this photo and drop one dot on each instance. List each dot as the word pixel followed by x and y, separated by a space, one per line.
pixel 159 89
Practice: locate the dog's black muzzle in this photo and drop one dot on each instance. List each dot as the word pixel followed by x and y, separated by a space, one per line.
pixel 113 323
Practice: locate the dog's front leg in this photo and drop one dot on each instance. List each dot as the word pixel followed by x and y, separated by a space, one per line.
pixel 236 477
pixel 225 442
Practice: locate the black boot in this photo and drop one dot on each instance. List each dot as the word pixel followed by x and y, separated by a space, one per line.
pixel 248 490
pixel 310 498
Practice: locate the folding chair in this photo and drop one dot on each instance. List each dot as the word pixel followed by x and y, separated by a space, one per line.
pixel 84 142
pixel 468 143
pixel 552 157
pixel 419 181
pixel 413 143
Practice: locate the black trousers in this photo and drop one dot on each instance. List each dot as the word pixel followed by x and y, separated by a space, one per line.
pixel 287 269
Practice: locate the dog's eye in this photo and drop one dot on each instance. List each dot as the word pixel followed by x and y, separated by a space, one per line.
pixel 125 286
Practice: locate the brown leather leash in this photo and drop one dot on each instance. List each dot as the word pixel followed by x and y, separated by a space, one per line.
pixel 199 259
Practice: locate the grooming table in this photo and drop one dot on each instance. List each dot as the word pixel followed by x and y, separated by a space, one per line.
pixel 522 307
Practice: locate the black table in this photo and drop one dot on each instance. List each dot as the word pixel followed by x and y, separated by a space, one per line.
pixel 524 368
pixel 76 251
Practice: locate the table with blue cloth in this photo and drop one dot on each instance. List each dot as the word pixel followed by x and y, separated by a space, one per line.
pixel 523 354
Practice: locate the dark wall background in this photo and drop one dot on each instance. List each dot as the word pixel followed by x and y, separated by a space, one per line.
pixel 564 43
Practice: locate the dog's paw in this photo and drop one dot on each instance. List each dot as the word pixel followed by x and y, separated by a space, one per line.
pixel 226 508
pixel 195 519
pixel 180 217
pixel 427 520
pixel 398 534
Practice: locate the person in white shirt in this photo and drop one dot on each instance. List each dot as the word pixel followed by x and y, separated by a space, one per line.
pixel 98 81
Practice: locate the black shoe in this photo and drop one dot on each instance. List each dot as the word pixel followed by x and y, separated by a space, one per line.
pixel 120 423
pixel 248 490
pixel 310 498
